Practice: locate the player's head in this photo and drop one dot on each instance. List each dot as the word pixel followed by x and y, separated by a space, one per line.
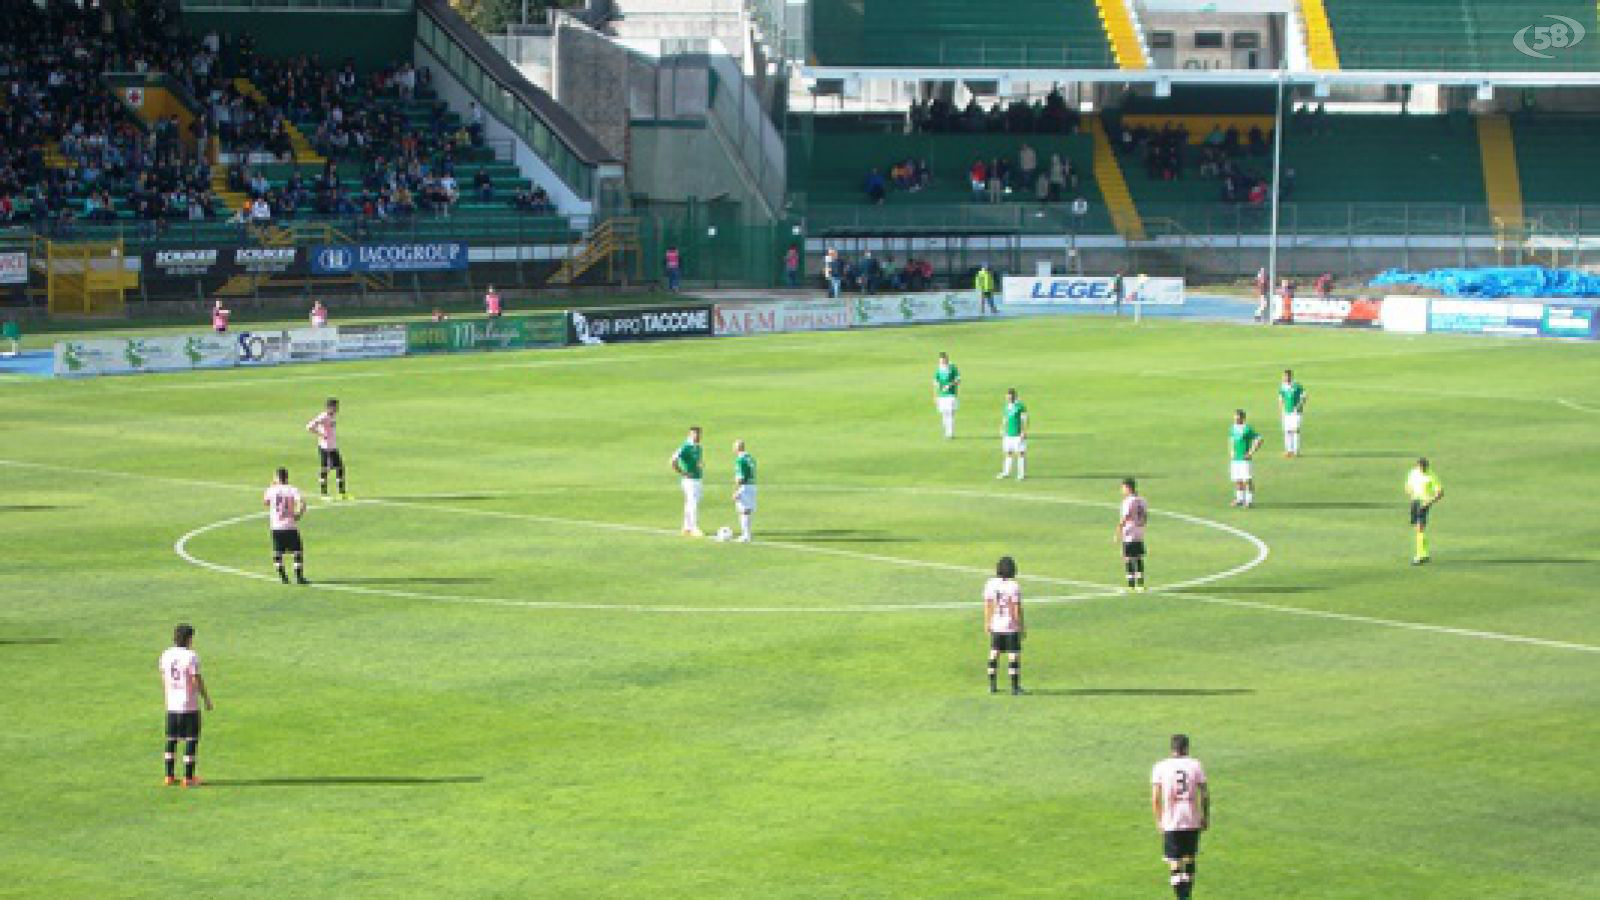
pixel 491 288
pixel 1180 745
pixel 1006 567
pixel 1011 394
pixel 1422 463
pixel 694 433
pixel 738 445
pixel 1288 375
pixel 282 475
pixel 944 359
pixel 183 635
pixel 1129 486
pixel 333 404
pixel 1238 416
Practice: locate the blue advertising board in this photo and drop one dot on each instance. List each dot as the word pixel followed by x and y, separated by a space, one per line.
pixel 1486 317
pixel 1565 321
pixel 421 256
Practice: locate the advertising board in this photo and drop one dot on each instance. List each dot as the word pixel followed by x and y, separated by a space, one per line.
pixel 508 333
pixel 223 262
pixel 1351 313
pixel 1567 321
pixel 1522 318
pixel 605 326
pixel 788 315
pixel 422 256
pixel 178 353
pixel 369 341
pixel 1058 290
pixel 13 268
pixel 311 344
pixel 262 348
pixel 910 309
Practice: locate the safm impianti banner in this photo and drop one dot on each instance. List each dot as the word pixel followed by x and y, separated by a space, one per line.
pixel 783 316
pixel 909 309
pixel 425 256
pixel 1059 290
pixel 156 354
pixel 508 333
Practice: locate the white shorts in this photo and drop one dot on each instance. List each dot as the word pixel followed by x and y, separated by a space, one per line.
pixel 947 404
pixel 1239 470
pixel 1018 444
pixel 691 491
pixel 1291 421
pixel 745 498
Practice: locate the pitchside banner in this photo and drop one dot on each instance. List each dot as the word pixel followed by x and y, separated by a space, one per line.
pixel 1564 321
pixel 605 326
pixel 774 318
pixel 370 341
pixel 1357 313
pixel 909 309
pixel 13 268
pixel 223 262
pixel 428 256
pixel 508 333
pixel 1485 317
pixel 1091 290
pixel 132 355
pixel 262 348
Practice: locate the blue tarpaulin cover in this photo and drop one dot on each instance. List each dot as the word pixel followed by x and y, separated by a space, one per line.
pixel 1488 283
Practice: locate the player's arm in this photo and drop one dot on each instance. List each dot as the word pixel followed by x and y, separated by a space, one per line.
pixel 315 426
pixel 1301 406
pixel 988 614
pixel 1437 496
pixel 1205 805
pixel 1155 802
pixel 1254 446
pixel 675 460
pixel 200 684
pixel 1024 434
pixel 300 508
pixel 1022 624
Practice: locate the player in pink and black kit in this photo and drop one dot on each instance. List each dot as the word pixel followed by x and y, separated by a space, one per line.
pixel 1130 532
pixel 326 428
pixel 184 688
pixel 1002 619
pixel 285 506
pixel 1181 802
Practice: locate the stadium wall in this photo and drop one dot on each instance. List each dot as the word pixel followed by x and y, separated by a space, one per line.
pixel 373 40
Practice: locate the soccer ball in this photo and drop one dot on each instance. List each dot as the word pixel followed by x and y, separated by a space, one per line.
pixel 724 533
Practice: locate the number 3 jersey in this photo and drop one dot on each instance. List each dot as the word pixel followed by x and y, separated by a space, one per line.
pixel 1005 599
pixel 1179 778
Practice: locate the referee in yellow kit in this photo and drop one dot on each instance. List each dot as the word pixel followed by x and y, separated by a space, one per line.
pixel 1424 489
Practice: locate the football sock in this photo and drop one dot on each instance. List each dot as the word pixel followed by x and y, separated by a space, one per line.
pixel 1249 496
pixel 1129 564
pixel 1015 671
pixel 1022 466
pixel 1006 469
pixel 744 524
pixel 1138 571
pixel 172 747
pixel 299 566
pixel 949 425
pixel 1422 544
pixel 1238 495
pixel 322 480
pixel 189 748
pixel 340 473
pixel 277 563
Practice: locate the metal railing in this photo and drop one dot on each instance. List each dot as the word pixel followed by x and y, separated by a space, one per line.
pixel 737 112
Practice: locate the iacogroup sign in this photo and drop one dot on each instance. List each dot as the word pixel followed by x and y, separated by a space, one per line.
pixel 428 256
pixel 772 318
pixel 1091 290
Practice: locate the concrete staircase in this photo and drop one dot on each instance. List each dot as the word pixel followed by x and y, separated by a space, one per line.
pixel 1502 182
pixel 1113 186
pixel 1127 45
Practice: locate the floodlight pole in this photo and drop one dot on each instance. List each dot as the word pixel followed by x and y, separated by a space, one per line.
pixel 1277 179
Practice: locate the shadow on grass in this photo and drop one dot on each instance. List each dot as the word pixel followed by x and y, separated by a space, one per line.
pixel 1096 476
pixel 839 536
pixel 405 580
pixel 443 498
pixel 1142 692
pixel 28 642
pixel 1527 561
pixel 1254 589
pixel 29 507
pixel 344 780
pixel 1368 454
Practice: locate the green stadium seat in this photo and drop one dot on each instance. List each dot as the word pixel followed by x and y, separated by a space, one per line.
pixel 924 33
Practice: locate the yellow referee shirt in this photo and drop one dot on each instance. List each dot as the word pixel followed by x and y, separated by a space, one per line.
pixel 1423 486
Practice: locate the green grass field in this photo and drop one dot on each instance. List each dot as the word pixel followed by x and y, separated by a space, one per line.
pixel 512 677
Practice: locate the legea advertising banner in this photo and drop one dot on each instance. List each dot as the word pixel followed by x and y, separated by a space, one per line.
pixel 911 309
pixel 654 323
pixel 156 354
pixel 1060 290
pixel 789 315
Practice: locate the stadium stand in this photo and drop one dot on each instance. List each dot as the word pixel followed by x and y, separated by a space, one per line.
pixel 1454 34
pixel 1021 33
pixel 1546 148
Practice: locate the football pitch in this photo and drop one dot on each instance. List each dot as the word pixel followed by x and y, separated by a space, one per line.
pixel 513 677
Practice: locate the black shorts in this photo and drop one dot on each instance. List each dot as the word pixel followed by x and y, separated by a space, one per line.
pixel 1180 844
pixel 1005 642
pixel 286 541
pixel 1419 513
pixel 331 459
pixel 1132 549
pixel 183 726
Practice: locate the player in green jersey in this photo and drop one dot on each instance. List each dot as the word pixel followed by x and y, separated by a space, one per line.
pixel 688 463
pixel 1424 489
pixel 1292 396
pixel 1014 435
pixel 946 381
pixel 1243 442
pixel 744 488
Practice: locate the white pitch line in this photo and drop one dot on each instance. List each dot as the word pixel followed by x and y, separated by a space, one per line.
pixel 1386 623
pixel 1573 404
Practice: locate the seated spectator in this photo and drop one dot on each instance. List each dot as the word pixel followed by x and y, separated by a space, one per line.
pixel 485 185
pixel 875 186
pixel 978 178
